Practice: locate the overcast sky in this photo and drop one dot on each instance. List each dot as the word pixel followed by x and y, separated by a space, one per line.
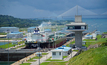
pixel 51 8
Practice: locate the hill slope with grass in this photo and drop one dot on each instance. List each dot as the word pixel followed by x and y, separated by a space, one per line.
pixel 93 56
pixel 97 56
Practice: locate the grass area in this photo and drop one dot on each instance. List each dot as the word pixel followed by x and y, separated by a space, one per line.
pixel 92 41
pixel 10 45
pixel 10 39
pixel 21 42
pixel 76 50
pixel 3 33
pixel 56 59
pixel 20 46
pixel 98 36
pixel 31 60
pixel 36 57
pixel 5 39
pixel 44 53
pixel 89 40
pixel 65 56
pixel 53 63
pixel 53 59
pixel 6 45
pixel 105 33
pixel 70 43
pixel 93 56
pixel 25 64
pixel 22 29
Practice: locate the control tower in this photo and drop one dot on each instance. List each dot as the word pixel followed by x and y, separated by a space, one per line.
pixel 78 27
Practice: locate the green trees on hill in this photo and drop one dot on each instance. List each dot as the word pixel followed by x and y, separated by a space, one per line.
pixel 9 21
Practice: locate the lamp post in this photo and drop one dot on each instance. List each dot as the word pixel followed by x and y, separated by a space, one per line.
pixel 8 46
pixel 39 52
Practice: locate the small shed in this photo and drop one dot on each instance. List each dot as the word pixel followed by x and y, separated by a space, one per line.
pixel 59 52
pixel 14 42
pixel 97 32
pixel 88 37
pixel 9 29
pixel 94 35
pixel 30 29
pixel 15 35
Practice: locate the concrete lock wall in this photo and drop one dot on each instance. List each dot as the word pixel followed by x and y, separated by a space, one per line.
pixel 12 56
pixel 24 59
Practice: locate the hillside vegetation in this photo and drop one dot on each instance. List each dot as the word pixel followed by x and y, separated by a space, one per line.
pixel 97 56
pixel 10 21
pixel 93 56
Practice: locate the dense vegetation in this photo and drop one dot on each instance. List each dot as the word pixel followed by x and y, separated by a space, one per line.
pixel 10 21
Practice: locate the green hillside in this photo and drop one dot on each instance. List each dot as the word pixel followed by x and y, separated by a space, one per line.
pixel 97 56
pixel 10 21
pixel 94 56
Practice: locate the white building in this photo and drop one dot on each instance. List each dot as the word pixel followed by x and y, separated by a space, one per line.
pixel 88 37
pixel 94 35
pixel 15 35
pixel 30 29
pixel 59 52
pixel 10 29
pixel 97 32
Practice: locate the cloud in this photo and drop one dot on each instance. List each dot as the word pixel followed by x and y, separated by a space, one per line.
pixel 19 10
pixel 46 8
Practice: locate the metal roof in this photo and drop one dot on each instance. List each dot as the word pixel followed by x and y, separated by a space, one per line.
pixel 15 33
pixel 9 27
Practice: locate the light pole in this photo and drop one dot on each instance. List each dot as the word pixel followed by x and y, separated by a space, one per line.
pixel 4 43
pixel 8 46
pixel 39 52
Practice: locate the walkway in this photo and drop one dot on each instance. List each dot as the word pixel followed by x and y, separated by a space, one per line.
pixel 43 59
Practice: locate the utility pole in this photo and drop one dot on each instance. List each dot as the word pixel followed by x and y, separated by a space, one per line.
pixel 8 46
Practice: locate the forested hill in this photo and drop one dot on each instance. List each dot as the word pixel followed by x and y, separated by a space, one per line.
pixel 9 21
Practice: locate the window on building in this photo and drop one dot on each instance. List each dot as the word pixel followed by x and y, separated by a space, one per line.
pixel 59 53
pixel 54 53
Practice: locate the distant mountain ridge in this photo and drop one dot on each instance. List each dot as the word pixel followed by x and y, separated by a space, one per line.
pixel 10 21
